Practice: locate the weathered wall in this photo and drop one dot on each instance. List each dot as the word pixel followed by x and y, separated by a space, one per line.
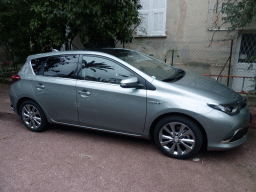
pixel 186 29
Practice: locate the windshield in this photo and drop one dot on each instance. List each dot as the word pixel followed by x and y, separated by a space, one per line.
pixel 151 66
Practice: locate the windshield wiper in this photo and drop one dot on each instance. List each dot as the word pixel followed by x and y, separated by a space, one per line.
pixel 179 74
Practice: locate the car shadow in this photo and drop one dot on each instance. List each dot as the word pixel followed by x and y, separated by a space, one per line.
pixel 102 135
pixel 106 137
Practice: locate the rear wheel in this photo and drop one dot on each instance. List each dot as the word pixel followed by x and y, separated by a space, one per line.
pixel 178 137
pixel 33 116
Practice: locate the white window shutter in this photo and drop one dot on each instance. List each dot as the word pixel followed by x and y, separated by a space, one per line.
pixel 153 14
pixel 142 29
pixel 159 17
pixel 158 23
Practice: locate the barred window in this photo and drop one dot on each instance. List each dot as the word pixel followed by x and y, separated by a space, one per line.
pixel 247 52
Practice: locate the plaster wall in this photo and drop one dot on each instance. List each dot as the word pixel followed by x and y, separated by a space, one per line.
pixel 187 24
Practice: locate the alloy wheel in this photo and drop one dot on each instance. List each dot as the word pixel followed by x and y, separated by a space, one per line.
pixel 31 116
pixel 177 138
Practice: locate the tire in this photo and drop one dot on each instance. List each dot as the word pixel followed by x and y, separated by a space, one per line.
pixel 33 116
pixel 178 137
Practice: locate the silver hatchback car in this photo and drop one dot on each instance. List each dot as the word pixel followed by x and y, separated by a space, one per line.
pixel 127 92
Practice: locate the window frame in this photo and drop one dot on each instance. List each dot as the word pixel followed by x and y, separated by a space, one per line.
pixel 243 49
pixel 42 68
pixel 48 57
pixel 80 77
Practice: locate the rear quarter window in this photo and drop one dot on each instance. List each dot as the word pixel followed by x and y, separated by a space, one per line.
pixel 38 65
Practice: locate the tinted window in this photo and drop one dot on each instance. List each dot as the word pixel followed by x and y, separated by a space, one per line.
pixel 149 65
pixel 61 66
pixel 103 70
pixel 37 65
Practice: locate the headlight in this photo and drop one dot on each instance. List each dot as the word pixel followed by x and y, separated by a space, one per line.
pixel 231 109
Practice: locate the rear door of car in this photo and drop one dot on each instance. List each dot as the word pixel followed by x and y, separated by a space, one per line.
pixel 103 103
pixel 54 86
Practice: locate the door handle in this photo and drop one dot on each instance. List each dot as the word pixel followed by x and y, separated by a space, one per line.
pixel 84 93
pixel 40 86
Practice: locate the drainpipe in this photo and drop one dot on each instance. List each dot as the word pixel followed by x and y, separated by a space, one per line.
pixel 208 18
pixel 231 50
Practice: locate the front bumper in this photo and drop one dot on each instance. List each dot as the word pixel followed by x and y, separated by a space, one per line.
pixel 224 131
pixel 230 145
pixel 237 135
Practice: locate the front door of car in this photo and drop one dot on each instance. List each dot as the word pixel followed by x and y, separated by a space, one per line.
pixel 54 87
pixel 102 103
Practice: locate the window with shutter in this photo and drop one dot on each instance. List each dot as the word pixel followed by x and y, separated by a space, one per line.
pixel 153 16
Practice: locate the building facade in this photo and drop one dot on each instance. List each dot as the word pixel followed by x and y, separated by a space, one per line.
pixel 191 35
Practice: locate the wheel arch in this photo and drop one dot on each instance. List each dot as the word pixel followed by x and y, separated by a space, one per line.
pixel 152 127
pixel 21 100
pixel 33 117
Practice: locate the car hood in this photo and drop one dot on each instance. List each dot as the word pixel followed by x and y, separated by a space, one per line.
pixel 209 88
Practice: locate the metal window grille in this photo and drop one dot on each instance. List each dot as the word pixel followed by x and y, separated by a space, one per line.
pixel 248 48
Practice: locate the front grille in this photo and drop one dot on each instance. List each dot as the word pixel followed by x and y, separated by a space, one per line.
pixel 239 134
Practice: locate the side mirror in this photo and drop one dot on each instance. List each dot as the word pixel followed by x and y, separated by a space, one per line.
pixel 131 82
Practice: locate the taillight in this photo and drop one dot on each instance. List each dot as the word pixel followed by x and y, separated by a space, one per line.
pixel 15 78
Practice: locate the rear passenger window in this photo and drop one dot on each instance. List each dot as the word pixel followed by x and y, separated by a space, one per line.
pixel 61 66
pixel 38 65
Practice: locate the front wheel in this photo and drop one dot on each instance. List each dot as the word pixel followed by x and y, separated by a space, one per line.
pixel 178 137
pixel 33 116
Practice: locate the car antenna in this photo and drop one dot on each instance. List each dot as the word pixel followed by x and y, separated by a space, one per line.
pixel 54 50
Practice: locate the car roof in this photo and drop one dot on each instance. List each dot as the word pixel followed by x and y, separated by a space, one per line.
pixel 103 51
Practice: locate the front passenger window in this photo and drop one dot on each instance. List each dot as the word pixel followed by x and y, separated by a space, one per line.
pixel 103 70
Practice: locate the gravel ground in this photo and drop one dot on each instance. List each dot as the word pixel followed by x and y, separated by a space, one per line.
pixel 71 159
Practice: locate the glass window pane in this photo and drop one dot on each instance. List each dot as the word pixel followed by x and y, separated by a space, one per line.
pixel 103 70
pixel 61 66
pixel 149 65
pixel 37 65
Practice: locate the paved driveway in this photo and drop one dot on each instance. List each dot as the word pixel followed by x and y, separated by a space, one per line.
pixel 71 159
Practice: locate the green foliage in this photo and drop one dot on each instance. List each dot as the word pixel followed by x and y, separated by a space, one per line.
pixel 13 34
pixel 5 73
pixel 239 13
pixel 109 21
pixel 34 26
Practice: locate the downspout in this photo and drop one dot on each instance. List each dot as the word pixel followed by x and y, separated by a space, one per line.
pixel 208 19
